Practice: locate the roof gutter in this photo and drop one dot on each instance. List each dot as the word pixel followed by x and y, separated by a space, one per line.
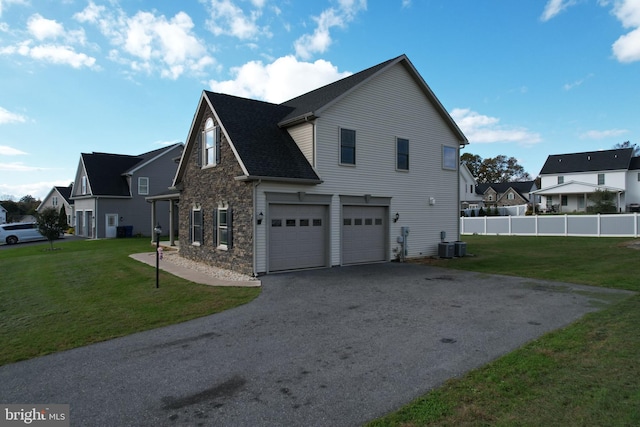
pixel 306 117
pixel 278 179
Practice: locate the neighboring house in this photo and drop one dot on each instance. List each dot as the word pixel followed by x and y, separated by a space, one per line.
pixel 569 179
pixel 3 215
pixel 57 198
pixel 109 191
pixel 469 198
pixel 329 178
pixel 506 193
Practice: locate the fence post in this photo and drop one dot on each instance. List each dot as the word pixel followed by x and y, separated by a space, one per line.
pixel 566 225
pixel 598 228
pixel 509 225
pixel 485 225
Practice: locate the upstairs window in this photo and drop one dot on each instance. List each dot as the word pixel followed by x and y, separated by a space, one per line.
pixel 347 146
pixel 561 180
pixel 600 179
pixel 402 154
pixel 83 185
pixel 449 158
pixel 143 185
pixel 511 196
pixel 54 201
pixel 211 137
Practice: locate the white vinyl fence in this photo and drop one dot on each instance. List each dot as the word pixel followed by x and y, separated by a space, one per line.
pixel 615 225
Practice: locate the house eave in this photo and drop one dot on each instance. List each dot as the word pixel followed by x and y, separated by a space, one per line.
pixel 248 178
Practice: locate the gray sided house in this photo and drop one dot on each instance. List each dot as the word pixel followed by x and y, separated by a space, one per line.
pixel 329 178
pixel 506 193
pixel 569 179
pixel 109 191
pixel 58 198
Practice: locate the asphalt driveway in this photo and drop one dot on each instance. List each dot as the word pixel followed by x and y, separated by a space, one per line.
pixel 335 347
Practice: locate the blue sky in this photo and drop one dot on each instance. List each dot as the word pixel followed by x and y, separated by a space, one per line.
pixel 521 78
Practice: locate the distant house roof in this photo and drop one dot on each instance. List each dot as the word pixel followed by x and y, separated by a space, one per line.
pixel 523 188
pixel 589 161
pixel 257 130
pixel 107 173
pixel 66 193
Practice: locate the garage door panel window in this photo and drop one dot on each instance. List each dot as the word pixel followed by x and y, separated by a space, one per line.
pixel 317 223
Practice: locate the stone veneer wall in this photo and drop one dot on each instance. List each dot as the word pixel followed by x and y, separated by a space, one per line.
pixel 208 188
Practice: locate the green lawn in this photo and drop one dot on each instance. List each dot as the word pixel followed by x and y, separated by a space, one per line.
pixel 88 291
pixel 585 374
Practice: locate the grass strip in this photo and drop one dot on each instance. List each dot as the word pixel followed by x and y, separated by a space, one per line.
pixel 89 291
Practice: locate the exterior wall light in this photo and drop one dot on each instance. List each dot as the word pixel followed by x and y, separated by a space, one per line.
pixel 260 218
pixel 396 217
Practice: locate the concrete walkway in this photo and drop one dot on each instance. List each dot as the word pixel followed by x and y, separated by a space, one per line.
pixel 333 347
pixel 190 274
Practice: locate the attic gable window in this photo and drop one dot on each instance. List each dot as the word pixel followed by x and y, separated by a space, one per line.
pixel 347 146
pixel 211 148
pixel 83 185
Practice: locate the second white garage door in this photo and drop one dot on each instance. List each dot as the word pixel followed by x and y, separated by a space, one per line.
pixel 297 236
pixel 363 234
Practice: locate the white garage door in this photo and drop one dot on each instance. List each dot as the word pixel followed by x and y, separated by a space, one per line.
pixel 297 236
pixel 363 234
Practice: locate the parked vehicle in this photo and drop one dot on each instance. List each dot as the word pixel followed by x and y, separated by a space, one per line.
pixel 20 232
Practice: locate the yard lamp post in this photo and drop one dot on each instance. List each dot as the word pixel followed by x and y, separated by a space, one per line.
pixel 158 231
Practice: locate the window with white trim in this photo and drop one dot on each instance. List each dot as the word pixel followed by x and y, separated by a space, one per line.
pixel 223 227
pixel 143 185
pixel 511 196
pixel 600 179
pixel 347 146
pixel 196 226
pixel 54 201
pixel 561 180
pixel 83 185
pixel 402 154
pixel 211 147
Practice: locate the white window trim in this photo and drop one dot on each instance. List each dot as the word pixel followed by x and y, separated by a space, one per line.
pixel 141 186
pixel 83 184
pixel 210 127
pixel 193 225
pixel 219 227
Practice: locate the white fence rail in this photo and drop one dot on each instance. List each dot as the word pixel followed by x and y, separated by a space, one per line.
pixel 617 225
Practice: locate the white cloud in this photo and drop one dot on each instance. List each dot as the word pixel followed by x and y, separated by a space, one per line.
pixel 554 7
pixel 18 167
pixel 627 47
pixel 283 79
pixel 149 43
pixel 7 116
pixel 320 40
pixel 42 28
pixel 58 46
pixel 480 129
pixel 579 82
pixel 5 150
pixel 603 134
pixel 56 54
pixel 227 18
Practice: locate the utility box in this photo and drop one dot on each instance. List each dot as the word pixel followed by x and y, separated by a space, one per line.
pixel 446 250
pixel 460 249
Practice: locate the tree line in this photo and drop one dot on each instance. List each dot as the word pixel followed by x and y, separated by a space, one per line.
pixel 27 205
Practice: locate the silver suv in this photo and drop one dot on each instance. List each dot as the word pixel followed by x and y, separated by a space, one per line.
pixel 20 232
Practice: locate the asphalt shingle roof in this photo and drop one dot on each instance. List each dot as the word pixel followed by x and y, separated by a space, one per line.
pixel 589 161
pixel 634 164
pixel 521 187
pixel 66 193
pixel 265 149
